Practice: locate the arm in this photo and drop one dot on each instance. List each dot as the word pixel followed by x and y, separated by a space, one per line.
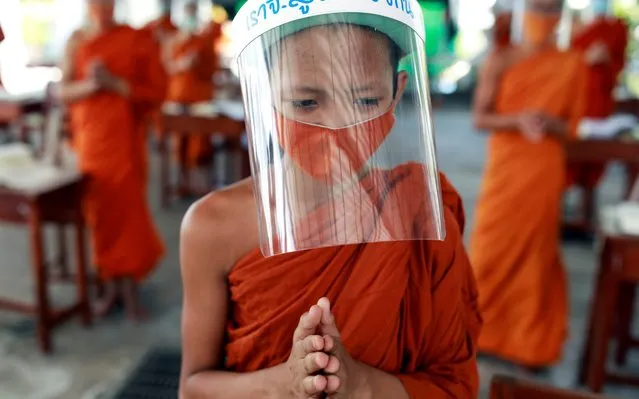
pixel 171 65
pixel 72 90
pixel 484 116
pixel 204 259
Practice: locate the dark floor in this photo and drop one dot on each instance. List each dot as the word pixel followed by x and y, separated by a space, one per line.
pixel 92 363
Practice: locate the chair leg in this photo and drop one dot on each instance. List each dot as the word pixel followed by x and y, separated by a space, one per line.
pixel 604 326
pixel 593 313
pixel 627 294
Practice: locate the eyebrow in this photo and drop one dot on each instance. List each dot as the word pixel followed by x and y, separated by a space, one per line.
pixel 316 90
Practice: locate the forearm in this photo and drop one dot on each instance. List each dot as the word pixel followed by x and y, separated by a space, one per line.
pixel 222 384
pixel 486 121
pixel 381 385
pixel 73 91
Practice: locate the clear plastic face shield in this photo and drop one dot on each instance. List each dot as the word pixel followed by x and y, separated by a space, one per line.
pixel 341 139
pixel 541 22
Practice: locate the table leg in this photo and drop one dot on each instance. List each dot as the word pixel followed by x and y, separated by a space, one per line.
pixel 82 284
pixel 164 170
pixel 40 275
pixel 62 264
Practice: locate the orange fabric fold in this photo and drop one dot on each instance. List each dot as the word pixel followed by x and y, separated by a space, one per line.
pixel 161 27
pixel 193 86
pixel 515 248
pixel 109 137
pixel 405 307
pixel 602 80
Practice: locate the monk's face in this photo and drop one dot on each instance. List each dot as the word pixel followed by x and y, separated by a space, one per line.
pixel 335 75
pixel 101 11
pixel 552 7
pixel 541 20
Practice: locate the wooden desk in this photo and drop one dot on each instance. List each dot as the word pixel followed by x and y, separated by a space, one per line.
pixel 612 305
pixel 60 205
pixel 185 125
pixel 603 152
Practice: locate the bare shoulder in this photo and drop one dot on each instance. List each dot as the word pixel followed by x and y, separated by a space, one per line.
pixel 497 60
pixel 76 38
pixel 220 228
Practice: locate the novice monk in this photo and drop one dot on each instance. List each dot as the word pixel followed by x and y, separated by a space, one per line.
pixel 111 80
pixel 403 322
pixel 531 98
pixel 190 63
pixel 603 45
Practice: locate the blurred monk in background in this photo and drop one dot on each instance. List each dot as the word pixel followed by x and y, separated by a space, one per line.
pixel 191 63
pixel 603 44
pixel 112 78
pixel 163 27
pixel 531 98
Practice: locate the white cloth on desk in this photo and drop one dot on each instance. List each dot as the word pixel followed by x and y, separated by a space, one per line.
pixel 606 128
pixel 231 108
pixel 20 171
pixel 627 215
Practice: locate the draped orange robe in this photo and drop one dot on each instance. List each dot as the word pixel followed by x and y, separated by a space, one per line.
pixel 193 86
pixel 110 141
pixel 602 81
pixel 405 307
pixel 515 248
pixel 162 26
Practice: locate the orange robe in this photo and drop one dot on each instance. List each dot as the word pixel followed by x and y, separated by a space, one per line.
pixel 515 248
pixel 404 307
pixel 161 27
pixel 193 86
pixel 110 141
pixel 602 81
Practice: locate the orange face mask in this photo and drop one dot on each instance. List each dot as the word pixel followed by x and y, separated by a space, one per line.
pixel 101 13
pixel 333 155
pixel 538 27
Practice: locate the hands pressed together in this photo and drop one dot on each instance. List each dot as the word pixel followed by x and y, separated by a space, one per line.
pixel 100 78
pixel 534 125
pixel 319 365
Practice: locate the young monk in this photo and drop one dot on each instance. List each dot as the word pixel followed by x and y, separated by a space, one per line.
pixel 603 44
pixel 112 78
pixel 375 320
pixel 530 97
pixel 190 63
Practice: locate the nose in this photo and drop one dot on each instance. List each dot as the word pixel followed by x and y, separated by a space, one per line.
pixel 339 114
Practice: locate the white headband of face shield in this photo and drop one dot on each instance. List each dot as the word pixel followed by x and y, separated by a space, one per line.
pixel 257 17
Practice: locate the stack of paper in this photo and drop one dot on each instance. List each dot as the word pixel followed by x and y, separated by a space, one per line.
pixel 606 128
pixel 628 218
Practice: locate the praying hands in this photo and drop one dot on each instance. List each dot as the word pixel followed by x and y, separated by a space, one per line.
pixel 319 366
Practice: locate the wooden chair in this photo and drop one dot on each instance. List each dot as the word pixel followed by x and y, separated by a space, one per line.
pixel 510 388
pixel 612 306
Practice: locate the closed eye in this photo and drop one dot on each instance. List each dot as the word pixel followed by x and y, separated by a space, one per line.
pixel 304 104
pixel 367 102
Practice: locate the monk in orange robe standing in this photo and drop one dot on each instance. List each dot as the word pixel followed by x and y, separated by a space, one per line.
pixel 395 319
pixel 603 44
pixel 190 63
pixel 162 29
pixel 112 79
pixel 531 98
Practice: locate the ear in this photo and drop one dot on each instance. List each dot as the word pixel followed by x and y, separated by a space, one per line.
pixel 402 82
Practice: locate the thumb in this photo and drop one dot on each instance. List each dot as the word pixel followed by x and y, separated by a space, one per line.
pixel 327 323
